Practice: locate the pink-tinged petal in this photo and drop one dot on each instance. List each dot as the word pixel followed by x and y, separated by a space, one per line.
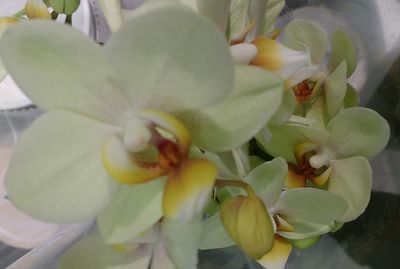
pixel 122 166
pixel 188 189
pixel 277 257
pixel 17 229
pixel 172 125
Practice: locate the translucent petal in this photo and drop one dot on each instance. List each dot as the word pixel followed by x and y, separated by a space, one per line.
pixel 304 229
pixel 351 179
pixel 53 74
pixel 312 205
pixel 299 33
pixel 214 234
pixel 285 137
pixel 342 49
pixel 53 173
pixel 357 131
pixel 257 95
pixel 335 90
pixel 268 180
pixel 277 257
pixel 133 210
pixel 123 167
pixel 93 253
pixel 188 189
pixel 171 67
pixel 181 241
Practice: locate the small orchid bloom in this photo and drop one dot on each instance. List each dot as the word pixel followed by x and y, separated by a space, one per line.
pixel 314 216
pixel 169 245
pixel 36 9
pixel 119 100
pixel 334 157
pixel 16 228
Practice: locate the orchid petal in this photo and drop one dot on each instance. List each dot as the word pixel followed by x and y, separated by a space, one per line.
pixel 36 9
pixel 281 60
pixel 335 90
pixel 181 241
pixel 357 131
pixel 223 170
pixel 352 98
pixel 217 11
pixel 351 179
pixel 272 11
pixel 286 109
pixel 113 13
pixel 184 64
pixel 267 180
pixel 93 253
pixel 243 53
pixel 294 179
pixel 133 210
pixel 285 137
pixel 214 234
pixel 222 127
pixel 45 60
pixel 123 167
pixel 343 49
pixel 188 189
pixel 239 18
pixel 299 33
pixel 303 229
pixel 312 205
pixel 277 257
pixel 3 71
pixel 160 258
pixel 53 173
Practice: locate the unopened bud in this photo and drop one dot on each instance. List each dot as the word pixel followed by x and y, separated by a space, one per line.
pixel 66 7
pixel 36 9
pixel 248 222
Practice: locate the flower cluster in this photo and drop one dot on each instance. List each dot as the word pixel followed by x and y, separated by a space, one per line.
pixel 149 133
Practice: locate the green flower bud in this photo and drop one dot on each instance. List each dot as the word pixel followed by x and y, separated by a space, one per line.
pixel 248 222
pixel 305 243
pixel 65 6
pixel 36 9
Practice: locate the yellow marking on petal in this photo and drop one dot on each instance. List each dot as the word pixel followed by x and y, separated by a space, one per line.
pixel 283 225
pixel 36 9
pixel 188 189
pixel 294 179
pixel 269 55
pixel 124 168
pixel 124 248
pixel 274 33
pixel 277 257
pixel 172 125
pixel 323 178
pixel 301 149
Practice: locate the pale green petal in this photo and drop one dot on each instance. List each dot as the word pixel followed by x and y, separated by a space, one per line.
pixel 171 67
pixel 217 11
pixel 352 98
pixel 286 108
pixel 335 86
pixel 257 95
pixel 46 61
pixel 239 17
pixel 268 180
pixel 56 172
pixel 223 170
pixel 352 179
pixel 299 33
pixel 93 253
pixel 304 229
pixel 214 234
pixel 133 210
pixel 272 11
pixel 3 71
pixel 357 131
pixel 311 205
pixel 181 241
pixel 342 49
pixel 285 137
pixel 160 258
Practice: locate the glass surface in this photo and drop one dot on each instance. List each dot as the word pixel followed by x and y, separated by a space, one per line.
pixel 371 241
